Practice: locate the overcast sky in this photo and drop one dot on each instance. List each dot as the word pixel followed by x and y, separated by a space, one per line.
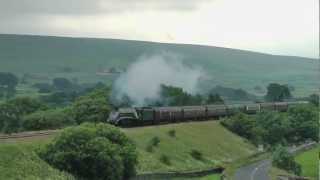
pixel 286 27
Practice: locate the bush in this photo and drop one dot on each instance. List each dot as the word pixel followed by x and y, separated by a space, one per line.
pixel 155 141
pixel 13 111
pixel 149 148
pixel 282 159
pixel 240 124
pixel 93 107
pixel 92 151
pixel 172 133
pixel 43 87
pixel 314 99
pixel 165 159
pixel 50 119
pixel 196 155
pixel 304 123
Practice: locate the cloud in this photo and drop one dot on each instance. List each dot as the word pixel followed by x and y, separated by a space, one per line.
pixel 85 7
pixel 283 27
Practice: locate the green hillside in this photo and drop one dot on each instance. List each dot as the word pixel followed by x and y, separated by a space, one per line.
pixel 46 56
pixel 18 159
pixel 217 145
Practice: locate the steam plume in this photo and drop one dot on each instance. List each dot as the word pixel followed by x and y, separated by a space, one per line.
pixel 143 79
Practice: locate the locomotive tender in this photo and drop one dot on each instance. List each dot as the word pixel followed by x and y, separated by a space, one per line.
pixel 162 115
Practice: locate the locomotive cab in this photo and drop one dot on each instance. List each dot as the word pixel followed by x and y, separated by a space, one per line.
pixel 123 117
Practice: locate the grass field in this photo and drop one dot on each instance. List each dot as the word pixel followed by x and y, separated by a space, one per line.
pixel 309 161
pixel 217 145
pixel 18 159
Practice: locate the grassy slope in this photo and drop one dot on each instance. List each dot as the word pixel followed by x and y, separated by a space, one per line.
pixel 19 161
pixel 217 145
pixel 229 67
pixel 309 161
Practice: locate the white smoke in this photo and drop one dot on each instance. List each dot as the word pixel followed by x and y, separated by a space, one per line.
pixel 143 79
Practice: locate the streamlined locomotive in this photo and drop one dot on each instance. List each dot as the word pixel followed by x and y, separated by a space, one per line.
pixel 161 115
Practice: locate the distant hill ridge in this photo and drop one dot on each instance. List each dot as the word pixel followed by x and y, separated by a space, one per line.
pixel 230 67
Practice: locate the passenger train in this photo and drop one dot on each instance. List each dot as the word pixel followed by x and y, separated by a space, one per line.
pixel 140 116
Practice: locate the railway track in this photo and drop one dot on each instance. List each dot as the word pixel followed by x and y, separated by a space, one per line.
pixel 24 135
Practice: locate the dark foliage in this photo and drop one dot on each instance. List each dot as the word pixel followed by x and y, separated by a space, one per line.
pixel 93 107
pixel 277 92
pixel 231 93
pixel 282 159
pixel 172 133
pixel 43 87
pixel 49 119
pixel 62 83
pixel 155 141
pixel 8 83
pixel 60 98
pixel 165 159
pixel 13 111
pixel 271 128
pixel 196 155
pixel 314 99
pixel 92 151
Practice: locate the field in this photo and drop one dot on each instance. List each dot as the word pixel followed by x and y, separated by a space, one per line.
pixel 18 159
pixel 43 58
pixel 217 145
pixel 309 161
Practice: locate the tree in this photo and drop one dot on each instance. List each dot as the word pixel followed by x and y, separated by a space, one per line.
pixel 314 99
pixel 92 151
pixel 175 96
pixel 273 128
pixel 8 83
pixel 214 99
pixel 240 124
pixel 304 123
pixel 60 98
pixel 93 107
pixel 43 87
pixel 62 84
pixel 277 92
pixel 48 119
pixel 282 159
pixel 12 112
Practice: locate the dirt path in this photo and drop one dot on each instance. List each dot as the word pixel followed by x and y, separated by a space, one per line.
pixel 27 136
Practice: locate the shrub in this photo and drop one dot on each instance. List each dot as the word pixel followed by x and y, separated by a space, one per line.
pixel 155 141
pixel 50 119
pixel 92 151
pixel 149 148
pixel 43 87
pixel 165 159
pixel 172 133
pixel 196 155
pixel 282 159
pixel 93 107
pixel 13 111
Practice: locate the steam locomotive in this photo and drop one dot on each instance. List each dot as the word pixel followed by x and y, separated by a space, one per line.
pixel 139 116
